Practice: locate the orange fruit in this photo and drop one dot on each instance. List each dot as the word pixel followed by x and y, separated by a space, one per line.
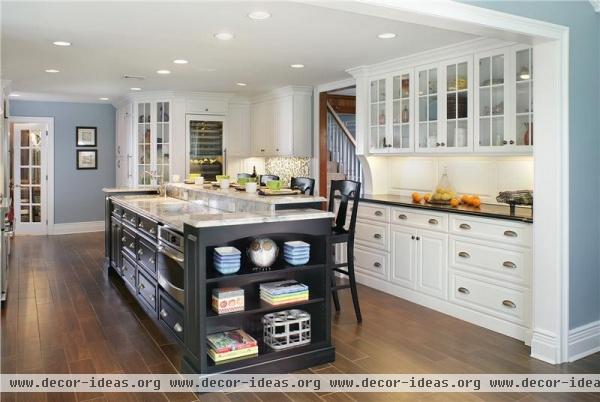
pixel 454 202
pixel 416 197
pixel 476 202
pixel 466 198
pixel 427 197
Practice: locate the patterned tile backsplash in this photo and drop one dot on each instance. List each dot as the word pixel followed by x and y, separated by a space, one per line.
pixel 288 167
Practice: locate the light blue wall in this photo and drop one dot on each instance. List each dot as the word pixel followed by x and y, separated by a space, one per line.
pixel 78 194
pixel 584 106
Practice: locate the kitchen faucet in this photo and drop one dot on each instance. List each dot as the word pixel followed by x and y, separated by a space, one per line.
pixel 162 188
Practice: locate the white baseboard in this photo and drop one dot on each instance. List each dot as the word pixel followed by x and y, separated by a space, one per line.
pixel 545 347
pixel 584 340
pixel 78 227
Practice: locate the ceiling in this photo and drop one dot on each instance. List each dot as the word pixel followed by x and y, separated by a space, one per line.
pixel 111 39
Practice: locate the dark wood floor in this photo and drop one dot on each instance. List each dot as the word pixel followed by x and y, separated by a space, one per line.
pixel 65 315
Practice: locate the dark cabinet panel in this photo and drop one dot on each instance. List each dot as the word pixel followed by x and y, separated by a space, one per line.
pixel 130 218
pixel 115 247
pixel 148 227
pixel 170 313
pixel 128 242
pixel 128 271
pixel 146 256
pixel 146 289
pixel 116 211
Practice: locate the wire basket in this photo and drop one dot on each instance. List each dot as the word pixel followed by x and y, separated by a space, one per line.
pixel 286 329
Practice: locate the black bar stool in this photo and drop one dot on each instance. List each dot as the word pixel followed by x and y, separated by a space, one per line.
pixel 346 190
pixel 266 178
pixel 304 184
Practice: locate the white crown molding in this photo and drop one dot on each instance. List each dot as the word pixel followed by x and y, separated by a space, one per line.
pixel 167 95
pixel 283 91
pixel 596 5
pixel 56 97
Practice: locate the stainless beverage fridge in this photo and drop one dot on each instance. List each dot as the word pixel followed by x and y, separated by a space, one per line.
pixel 206 154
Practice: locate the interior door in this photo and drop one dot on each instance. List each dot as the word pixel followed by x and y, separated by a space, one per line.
pixel 30 178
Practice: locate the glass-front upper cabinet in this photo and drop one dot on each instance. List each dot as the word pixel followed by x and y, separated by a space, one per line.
pixel 458 124
pixel 377 116
pixel 490 98
pixel 523 74
pixel 402 126
pixel 427 102
pixel 153 140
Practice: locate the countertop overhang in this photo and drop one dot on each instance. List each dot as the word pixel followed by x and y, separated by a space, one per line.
pixel 175 213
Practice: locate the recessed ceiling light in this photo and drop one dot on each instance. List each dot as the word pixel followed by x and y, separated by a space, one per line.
pixel 135 89
pixel 387 35
pixel 297 65
pixel 61 43
pixel 163 72
pixel 52 70
pixel 241 84
pixel 259 15
pixel 103 98
pixel 224 36
pixel 14 95
pixel 180 61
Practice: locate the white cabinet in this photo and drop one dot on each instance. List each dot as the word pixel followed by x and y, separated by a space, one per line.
pixel 378 115
pixel 206 106
pixel 522 71
pixel 282 124
pixel 237 137
pixel 403 256
pixel 124 145
pixel 427 107
pixel 152 135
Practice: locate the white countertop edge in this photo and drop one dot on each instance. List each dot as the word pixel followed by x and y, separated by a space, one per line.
pixel 127 189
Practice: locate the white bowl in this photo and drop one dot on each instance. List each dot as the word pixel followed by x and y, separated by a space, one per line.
pixel 224 183
pixel 251 187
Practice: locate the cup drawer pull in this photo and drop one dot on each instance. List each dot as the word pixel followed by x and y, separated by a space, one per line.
pixel 177 327
pixel 433 221
pixel 510 233
pixel 378 213
pixel 464 291
pixel 509 304
pixel 509 264
pixel 377 265
pixel 377 236
pixel 465 226
pixel 402 217
pixel 464 254
pixel 163 313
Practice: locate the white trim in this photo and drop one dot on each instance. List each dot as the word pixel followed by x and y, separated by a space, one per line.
pixel 57 97
pixel 78 227
pixel 50 160
pixel 596 5
pixel 584 340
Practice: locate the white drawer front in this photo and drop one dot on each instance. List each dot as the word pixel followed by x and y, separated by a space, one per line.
pixel 371 262
pixel 373 234
pixel 373 212
pixel 506 303
pixel 512 264
pixel 422 219
pixel 492 229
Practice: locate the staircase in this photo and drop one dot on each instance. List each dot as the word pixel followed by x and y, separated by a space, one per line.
pixel 341 143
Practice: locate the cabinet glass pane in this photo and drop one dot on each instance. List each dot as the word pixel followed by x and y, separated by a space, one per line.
pixel 405 111
pixel 405 136
pixel 374 111
pixel 484 72
pixel 381 90
pixel 36 211
pixel 382 141
pixel 159 133
pixel 405 86
pixel 498 69
pixel 462 105
pixel 166 112
pixel 451 77
pixel 25 195
pixel 524 130
pixel 25 157
pixel 24 175
pixel 147 112
pixel 159 154
pixel 462 76
pixel 433 108
pixel 397 137
pixel 374 135
pixel 396 94
pixel 423 135
pixel 36 194
pixel 523 65
pixel 422 82
pixel 24 138
pixel 523 102
pixel 141 118
pixel 381 113
pixel 484 132
pixel 396 116
pixel 451 134
pixel 462 133
pixel 36 175
pixel 25 213
pixel 165 132
pixel 498 100
pixel 373 91
pixel 36 156
pixel 423 108
pixel 484 102
pixel 432 140
pixel 497 131
pixel 433 81
pixel 451 105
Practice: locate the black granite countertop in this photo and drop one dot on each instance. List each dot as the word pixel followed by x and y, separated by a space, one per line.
pixel 521 214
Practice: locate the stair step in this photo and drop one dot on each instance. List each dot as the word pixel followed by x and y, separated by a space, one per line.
pixel 332 166
pixel 335 176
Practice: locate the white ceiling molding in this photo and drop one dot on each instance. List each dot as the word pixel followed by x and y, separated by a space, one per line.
pixel 596 5
pixel 57 97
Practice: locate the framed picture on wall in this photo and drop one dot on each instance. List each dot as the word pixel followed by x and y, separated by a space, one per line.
pixel 86 136
pixel 87 159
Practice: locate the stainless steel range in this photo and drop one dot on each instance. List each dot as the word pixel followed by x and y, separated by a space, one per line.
pixel 171 262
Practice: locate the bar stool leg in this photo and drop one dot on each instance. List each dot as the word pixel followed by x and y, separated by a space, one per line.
pixel 334 293
pixel 352 278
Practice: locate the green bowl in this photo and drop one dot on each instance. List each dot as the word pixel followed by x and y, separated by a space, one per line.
pixel 220 177
pixel 243 180
pixel 274 185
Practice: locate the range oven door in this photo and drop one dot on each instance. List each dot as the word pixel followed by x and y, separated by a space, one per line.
pixel 170 271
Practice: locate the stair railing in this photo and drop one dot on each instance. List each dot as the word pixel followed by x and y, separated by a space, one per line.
pixel 342 146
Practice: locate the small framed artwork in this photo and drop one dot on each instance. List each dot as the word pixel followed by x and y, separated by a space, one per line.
pixel 86 137
pixel 87 159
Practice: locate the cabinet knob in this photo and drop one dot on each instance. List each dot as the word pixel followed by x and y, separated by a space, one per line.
pixel 177 327
pixel 465 226
pixel 277 149
pixel 132 245
pixel 403 217
pixel 437 144
pixel 504 142
pixel 151 260
pixel 163 313
pixel 464 291
pixel 417 238
pixel 378 213
pixel 433 221
pixel 412 237
pixel 509 304
pixel 511 142
pixel 509 264
pixel 464 254
pixel 152 231
pixel 132 276
pixel 140 252
pixel 262 150
pixel 443 144
pixel 377 236
pixel 141 286
pixel 510 233
pixel 377 264
pixel 123 239
pixel 141 225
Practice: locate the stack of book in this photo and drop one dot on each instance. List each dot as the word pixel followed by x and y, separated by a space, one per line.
pixel 231 345
pixel 283 292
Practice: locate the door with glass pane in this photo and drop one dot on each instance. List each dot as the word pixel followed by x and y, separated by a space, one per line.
pixel 402 127
pixel 30 178
pixel 153 142
pixel 426 114
pixel 377 116
pixel 523 74
pixel 457 107
pixel 492 131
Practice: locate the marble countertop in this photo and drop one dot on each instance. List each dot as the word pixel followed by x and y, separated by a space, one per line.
pixel 485 210
pixel 134 189
pixel 242 195
pixel 174 212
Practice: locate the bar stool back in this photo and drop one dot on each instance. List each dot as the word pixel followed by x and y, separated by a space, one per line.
pixel 266 178
pixel 304 184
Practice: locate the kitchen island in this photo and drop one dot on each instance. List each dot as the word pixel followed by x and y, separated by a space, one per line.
pixel 162 248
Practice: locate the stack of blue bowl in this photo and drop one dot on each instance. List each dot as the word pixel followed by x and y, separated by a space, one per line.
pixel 227 260
pixel 296 252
